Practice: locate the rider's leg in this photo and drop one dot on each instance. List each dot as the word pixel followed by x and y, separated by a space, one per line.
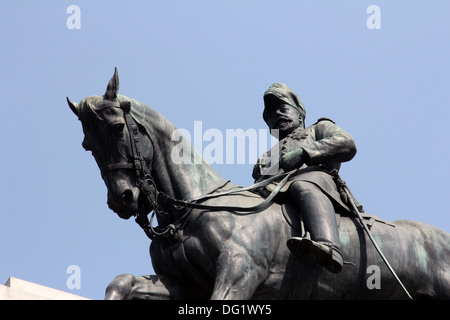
pixel 320 221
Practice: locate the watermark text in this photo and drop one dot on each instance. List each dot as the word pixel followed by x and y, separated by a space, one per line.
pixel 374 20
pixel 73 22
pixel 74 280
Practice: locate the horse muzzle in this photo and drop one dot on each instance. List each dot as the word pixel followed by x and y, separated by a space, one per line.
pixel 125 203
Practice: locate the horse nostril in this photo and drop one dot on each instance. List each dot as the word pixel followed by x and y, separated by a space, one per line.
pixel 127 197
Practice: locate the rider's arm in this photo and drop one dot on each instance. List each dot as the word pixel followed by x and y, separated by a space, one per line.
pixel 332 144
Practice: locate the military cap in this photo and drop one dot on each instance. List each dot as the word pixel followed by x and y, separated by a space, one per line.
pixel 278 94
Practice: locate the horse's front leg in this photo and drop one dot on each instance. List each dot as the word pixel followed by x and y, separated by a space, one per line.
pixel 152 287
pixel 237 275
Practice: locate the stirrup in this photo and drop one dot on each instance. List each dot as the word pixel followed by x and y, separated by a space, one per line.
pixel 324 253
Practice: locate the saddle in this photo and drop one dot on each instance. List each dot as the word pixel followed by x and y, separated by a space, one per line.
pixel 294 218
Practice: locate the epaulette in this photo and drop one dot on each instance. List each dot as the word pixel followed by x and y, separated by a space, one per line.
pixel 324 119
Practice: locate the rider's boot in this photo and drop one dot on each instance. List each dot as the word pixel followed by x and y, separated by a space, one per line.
pixel 324 253
pixel 320 220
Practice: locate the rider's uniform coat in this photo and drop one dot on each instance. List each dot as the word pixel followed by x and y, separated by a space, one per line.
pixel 326 146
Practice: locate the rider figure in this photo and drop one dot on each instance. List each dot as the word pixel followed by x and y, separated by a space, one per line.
pixel 316 151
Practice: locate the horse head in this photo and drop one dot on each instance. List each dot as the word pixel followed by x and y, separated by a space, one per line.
pixel 108 137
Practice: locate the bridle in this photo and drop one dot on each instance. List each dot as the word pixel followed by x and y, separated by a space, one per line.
pixel 144 180
pixel 148 188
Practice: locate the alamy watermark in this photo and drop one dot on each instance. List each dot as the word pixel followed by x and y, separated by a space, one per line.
pixel 374 280
pixel 374 20
pixel 73 22
pixel 74 280
pixel 233 146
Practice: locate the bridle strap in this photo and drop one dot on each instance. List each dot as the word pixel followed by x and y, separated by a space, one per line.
pixel 138 161
pixel 119 166
pixel 144 180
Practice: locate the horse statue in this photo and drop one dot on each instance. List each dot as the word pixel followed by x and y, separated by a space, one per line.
pixel 208 246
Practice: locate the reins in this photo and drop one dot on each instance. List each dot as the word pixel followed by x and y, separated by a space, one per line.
pixel 171 229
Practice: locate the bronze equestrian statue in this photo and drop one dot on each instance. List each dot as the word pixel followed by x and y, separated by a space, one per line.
pixel 216 240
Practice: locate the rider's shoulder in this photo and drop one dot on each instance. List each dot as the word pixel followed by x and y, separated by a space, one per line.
pixel 324 119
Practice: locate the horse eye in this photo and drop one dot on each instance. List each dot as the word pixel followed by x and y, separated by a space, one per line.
pixel 118 128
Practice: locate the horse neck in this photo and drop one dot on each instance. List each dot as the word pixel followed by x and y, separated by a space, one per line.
pixel 185 180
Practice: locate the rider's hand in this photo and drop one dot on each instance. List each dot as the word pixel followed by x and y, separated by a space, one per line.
pixel 292 160
pixel 256 172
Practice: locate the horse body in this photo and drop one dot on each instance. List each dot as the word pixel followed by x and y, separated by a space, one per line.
pixel 231 255
pixel 245 257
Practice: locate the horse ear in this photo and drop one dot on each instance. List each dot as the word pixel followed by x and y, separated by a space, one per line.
pixel 112 90
pixel 73 106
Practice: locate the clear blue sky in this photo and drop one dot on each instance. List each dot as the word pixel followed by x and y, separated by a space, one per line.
pixel 210 61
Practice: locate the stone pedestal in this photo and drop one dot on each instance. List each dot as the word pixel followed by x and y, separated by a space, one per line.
pixel 17 289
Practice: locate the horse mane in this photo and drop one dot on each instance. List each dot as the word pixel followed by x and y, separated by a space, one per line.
pixel 149 119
